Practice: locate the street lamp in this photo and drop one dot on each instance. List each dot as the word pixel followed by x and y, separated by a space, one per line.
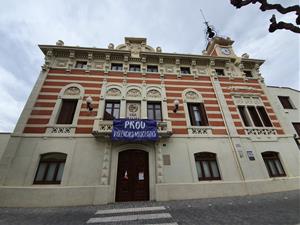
pixel 176 105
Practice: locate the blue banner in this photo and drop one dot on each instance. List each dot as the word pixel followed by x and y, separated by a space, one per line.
pixel 134 130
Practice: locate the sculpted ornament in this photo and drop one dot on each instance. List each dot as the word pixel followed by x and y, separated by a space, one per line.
pixel 134 93
pixel 72 91
pixel 191 95
pixel 153 94
pixel 113 92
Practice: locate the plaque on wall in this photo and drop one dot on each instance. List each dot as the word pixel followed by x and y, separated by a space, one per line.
pixel 133 110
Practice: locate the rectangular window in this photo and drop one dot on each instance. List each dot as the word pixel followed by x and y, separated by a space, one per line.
pixel 154 111
pixel 297 128
pixel 220 72
pixel 244 115
pixel 81 64
pixel 273 164
pixel 185 70
pixel 207 167
pixel 248 73
pixel 264 116
pixel 255 117
pixel 197 114
pixel 112 110
pixel 286 102
pixel 117 66
pixel 50 169
pixel 134 67
pixel 152 69
pixel 67 111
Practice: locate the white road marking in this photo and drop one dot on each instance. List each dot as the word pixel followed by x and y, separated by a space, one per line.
pixel 163 224
pixel 125 210
pixel 129 218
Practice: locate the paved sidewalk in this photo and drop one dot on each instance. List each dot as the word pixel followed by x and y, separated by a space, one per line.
pixel 267 209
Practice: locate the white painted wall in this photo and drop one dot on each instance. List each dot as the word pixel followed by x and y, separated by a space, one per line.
pixel 4 138
pixel 286 116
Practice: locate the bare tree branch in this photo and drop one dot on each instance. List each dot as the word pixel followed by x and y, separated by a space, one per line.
pixel 282 25
pixel 267 6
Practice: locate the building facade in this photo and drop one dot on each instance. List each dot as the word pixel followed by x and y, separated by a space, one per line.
pixel 217 133
pixel 286 104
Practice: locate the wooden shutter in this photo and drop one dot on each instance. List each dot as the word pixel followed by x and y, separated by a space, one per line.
pixel 67 111
pixel 255 117
pixel 264 116
pixel 204 121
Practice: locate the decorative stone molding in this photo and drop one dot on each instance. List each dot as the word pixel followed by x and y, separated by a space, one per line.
pixel 247 100
pixel 191 95
pixel 61 63
pixel 199 131
pixel 159 164
pixel 105 163
pixel 113 92
pixel 134 93
pixel 153 94
pixel 201 70
pixel 72 91
pixel 169 69
pixel 261 131
pixel 61 130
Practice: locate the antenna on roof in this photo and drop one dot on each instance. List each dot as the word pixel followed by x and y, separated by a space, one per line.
pixel 210 31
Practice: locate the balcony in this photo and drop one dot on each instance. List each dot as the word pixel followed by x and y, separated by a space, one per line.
pixel 261 133
pixel 103 128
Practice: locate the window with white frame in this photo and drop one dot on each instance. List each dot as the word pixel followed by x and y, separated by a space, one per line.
pixel 252 112
pixel 67 107
pixel 117 66
pixel 197 114
pixel 194 108
pixel 154 111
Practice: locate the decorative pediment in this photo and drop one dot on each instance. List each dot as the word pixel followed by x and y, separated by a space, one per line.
pixel 135 45
pixel 113 92
pixel 153 94
pixel 134 93
pixel 190 95
pixel 72 91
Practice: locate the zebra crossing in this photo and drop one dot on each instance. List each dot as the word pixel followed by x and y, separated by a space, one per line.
pixel 155 215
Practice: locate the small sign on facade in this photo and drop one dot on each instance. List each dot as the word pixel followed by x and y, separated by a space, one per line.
pixel 250 155
pixel 141 176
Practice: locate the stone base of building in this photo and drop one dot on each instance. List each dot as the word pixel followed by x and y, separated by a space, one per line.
pixel 101 194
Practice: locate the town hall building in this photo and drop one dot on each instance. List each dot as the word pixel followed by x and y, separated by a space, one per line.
pixel 133 123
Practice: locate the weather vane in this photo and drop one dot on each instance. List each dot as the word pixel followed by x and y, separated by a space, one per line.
pixel 210 32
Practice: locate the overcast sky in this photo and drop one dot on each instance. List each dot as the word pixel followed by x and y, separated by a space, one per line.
pixel 174 25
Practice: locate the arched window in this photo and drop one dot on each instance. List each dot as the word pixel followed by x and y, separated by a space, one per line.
pixel 67 109
pixel 207 166
pixel 50 169
pixel 195 108
pixel 273 164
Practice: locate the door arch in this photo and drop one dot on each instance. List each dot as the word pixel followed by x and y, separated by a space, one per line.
pixel 132 176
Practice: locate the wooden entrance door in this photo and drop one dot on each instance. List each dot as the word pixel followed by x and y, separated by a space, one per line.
pixel 132 176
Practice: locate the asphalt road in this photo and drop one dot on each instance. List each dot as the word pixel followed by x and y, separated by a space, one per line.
pixel 267 209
